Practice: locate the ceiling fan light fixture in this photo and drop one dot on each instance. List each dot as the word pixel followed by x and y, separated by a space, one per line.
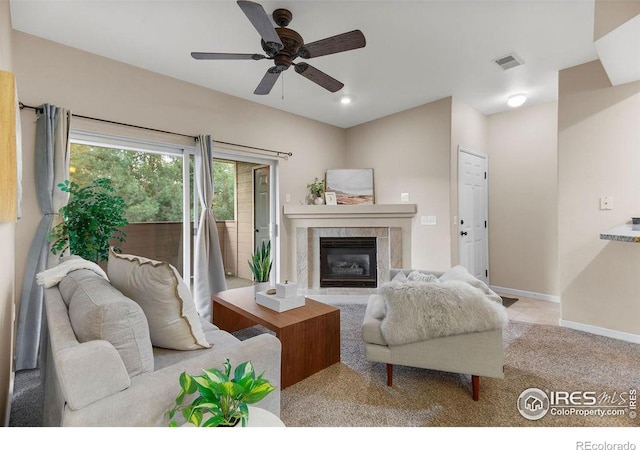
pixel 516 100
pixel 345 100
pixel 283 45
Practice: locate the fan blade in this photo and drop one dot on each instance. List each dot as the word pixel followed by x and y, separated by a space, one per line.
pixel 202 55
pixel 260 21
pixel 335 44
pixel 268 81
pixel 319 77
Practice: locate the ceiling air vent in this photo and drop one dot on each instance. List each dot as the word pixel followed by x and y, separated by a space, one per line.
pixel 508 62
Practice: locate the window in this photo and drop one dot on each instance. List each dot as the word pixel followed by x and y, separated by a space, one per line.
pixel 224 197
pixel 152 184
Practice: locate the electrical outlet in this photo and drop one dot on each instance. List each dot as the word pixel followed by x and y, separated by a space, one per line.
pixel 404 197
pixel 606 203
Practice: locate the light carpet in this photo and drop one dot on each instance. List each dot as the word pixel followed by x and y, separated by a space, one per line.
pixel 353 393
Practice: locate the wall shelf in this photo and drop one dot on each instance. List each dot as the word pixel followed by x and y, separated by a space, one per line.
pixel 623 233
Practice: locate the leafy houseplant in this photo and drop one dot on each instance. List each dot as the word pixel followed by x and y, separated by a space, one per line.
pixel 316 188
pixel 225 399
pixel 260 263
pixel 91 219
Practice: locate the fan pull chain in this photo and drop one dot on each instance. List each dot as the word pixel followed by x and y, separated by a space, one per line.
pixel 283 86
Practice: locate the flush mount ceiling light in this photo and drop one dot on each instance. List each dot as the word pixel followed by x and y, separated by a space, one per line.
pixel 345 100
pixel 516 100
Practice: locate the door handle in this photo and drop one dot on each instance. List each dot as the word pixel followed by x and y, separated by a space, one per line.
pixel 463 233
pixel 257 231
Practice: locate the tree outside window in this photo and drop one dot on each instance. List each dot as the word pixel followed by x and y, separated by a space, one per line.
pixel 224 190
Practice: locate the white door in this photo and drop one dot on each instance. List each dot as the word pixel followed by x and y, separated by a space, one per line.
pixel 472 213
pixel 261 213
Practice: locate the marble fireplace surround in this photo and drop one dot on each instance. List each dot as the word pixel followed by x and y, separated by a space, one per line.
pixel 389 224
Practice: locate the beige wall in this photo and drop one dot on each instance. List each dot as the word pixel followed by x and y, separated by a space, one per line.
pixel 468 130
pixel 608 15
pixel 523 237
pixel 410 152
pixel 7 244
pixel 94 86
pixel 598 155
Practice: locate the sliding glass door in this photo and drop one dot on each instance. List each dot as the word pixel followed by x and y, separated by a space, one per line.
pixel 156 184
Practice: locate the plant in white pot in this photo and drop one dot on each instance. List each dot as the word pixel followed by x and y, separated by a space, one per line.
pixel 317 190
pixel 223 397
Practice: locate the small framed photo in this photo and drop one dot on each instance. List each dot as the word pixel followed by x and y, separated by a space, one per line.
pixel 330 198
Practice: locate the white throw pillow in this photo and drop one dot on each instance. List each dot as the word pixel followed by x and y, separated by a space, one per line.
pixel 422 277
pixel 460 273
pixel 163 296
pixel 400 278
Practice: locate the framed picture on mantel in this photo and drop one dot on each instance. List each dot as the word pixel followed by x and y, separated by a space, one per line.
pixel 330 198
pixel 351 186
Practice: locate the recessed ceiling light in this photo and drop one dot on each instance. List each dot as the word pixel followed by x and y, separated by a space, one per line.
pixel 516 100
pixel 345 100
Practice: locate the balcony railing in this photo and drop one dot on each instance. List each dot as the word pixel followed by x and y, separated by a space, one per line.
pixel 162 241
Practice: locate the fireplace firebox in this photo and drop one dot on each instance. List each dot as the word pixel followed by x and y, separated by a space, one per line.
pixel 348 262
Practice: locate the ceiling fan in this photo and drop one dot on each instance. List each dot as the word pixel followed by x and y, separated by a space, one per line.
pixel 283 45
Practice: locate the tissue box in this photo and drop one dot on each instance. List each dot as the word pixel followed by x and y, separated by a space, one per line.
pixel 286 290
pixel 278 303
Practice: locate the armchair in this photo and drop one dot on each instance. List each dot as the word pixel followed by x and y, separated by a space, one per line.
pixel 473 353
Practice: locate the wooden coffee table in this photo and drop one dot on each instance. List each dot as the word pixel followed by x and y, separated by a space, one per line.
pixel 310 335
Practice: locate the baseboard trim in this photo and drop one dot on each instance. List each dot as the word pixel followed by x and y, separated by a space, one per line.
pixel 621 335
pixel 528 294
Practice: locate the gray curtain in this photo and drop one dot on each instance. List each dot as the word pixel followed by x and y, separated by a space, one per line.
pixel 51 168
pixel 208 265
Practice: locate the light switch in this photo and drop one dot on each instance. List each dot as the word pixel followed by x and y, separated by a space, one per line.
pixel 287 198
pixel 427 220
pixel 606 203
pixel 404 197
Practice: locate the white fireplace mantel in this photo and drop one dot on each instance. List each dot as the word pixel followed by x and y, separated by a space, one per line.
pixel 390 224
pixel 396 211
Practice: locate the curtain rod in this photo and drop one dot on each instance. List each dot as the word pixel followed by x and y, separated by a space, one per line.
pixel 284 155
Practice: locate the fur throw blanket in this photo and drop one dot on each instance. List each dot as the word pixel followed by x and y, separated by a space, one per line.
pixel 420 311
pixel 53 276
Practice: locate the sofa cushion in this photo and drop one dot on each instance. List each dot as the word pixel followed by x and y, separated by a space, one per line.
pixel 69 284
pixel 98 311
pixel 164 297
pixel 422 277
pixel 219 339
pixel 460 273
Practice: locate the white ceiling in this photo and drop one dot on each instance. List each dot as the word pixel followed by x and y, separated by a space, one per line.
pixel 416 52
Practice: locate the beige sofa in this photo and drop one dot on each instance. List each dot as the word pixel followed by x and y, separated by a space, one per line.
pixel 476 354
pixel 88 384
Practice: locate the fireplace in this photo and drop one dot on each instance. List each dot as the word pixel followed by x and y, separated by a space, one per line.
pixel 348 262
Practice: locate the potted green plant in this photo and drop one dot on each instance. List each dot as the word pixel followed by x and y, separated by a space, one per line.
pixel 260 263
pixel 317 189
pixel 90 220
pixel 221 400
